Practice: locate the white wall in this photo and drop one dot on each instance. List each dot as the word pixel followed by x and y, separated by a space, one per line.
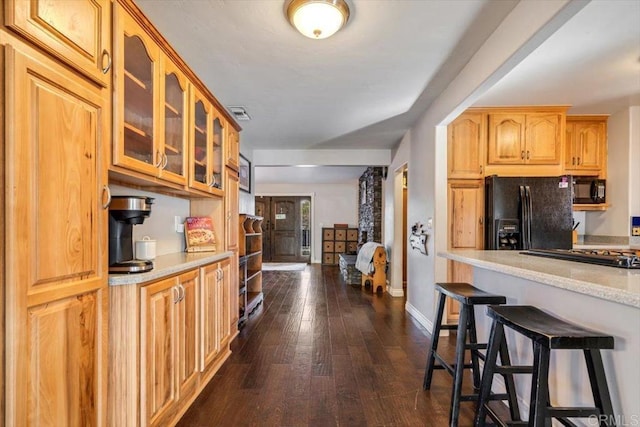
pixel 521 32
pixel 331 204
pixel 623 160
pixel 160 223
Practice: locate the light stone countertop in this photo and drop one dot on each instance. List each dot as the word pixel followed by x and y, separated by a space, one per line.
pixel 609 283
pixel 167 265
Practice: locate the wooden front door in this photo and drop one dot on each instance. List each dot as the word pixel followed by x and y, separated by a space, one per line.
pixel 286 228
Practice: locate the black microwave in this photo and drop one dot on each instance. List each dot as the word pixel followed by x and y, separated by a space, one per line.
pixel 589 190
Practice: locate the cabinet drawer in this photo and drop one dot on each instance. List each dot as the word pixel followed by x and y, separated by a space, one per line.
pixel 352 235
pixel 341 234
pixel 340 247
pixel 328 247
pixel 327 258
pixel 327 234
pixel 352 247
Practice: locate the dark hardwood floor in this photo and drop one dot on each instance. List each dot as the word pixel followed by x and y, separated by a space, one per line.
pixel 322 353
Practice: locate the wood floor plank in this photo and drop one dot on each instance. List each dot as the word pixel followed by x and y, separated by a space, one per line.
pixel 319 352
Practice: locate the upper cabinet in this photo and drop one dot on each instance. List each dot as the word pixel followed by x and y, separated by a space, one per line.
pixel 586 145
pixel 137 93
pixel 169 130
pixel 466 146
pixel 76 32
pixel 233 149
pixel 217 149
pixel 532 138
pixel 172 145
pixel 204 154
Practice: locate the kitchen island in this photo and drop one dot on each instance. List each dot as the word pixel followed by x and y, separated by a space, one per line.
pixel 604 299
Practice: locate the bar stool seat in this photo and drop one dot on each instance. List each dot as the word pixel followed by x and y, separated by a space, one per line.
pixel 468 297
pixel 547 333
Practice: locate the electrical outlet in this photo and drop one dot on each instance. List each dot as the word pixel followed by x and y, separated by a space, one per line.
pixel 179 224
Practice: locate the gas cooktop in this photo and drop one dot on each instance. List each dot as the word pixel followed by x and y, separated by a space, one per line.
pixel 627 258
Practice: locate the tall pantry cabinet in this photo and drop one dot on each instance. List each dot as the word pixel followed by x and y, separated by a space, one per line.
pixel 56 118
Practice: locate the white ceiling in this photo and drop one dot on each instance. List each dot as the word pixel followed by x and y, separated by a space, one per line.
pixel 365 86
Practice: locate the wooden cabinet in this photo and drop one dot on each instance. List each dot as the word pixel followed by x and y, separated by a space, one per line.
pixel 55 237
pixel 466 214
pixel 168 338
pixel 76 32
pixel 151 110
pixel 467 139
pixel 159 362
pixel 231 206
pixel 336 241
pixel 169 335
pixel 206 144
pixel 136 93
pixel 250 252
pixel 233 148
pixel 466 228
pixel 174 123
pixel 586 145
pixel 216 316
pixel 519 138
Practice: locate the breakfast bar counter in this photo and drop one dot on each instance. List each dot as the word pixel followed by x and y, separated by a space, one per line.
pixel 601 298
pixel 608 283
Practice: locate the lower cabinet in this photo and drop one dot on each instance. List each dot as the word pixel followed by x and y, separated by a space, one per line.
pixel 168 338
pixel 216 314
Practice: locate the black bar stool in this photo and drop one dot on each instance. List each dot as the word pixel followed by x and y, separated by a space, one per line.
pixel 547 333
pixel 468 297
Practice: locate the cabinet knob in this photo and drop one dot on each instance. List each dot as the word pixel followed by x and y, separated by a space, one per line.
pixel 481 220
pixel 573 161
pixel 165 161
pixel 106 68
pixel 481 168
pixel 176 295
pixel 578 160
pixel 522 155
pixel 527 154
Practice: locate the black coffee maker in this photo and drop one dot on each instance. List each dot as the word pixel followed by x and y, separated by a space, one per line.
pixel 124 213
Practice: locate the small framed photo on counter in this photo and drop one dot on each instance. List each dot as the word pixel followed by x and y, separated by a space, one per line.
pixel 244 174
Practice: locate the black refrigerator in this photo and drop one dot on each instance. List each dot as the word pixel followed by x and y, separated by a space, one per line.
pixel 528 212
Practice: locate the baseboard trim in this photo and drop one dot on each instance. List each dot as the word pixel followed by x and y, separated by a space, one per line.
pixel 397 293
pixel 426 323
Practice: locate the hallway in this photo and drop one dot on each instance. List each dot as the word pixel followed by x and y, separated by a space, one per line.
pixel 322 353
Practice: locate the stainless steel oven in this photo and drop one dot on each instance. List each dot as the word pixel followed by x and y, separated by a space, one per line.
pixel 589 190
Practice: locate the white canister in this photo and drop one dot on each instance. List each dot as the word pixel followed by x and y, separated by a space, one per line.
pixel 145 248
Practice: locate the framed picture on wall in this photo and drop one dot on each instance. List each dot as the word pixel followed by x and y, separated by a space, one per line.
pixel 244 174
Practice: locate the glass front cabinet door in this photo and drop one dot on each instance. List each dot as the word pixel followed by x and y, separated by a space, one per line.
pixel 217 164
pixel 151 107
pixel 206 146
pixel 136 82
pixel 174 124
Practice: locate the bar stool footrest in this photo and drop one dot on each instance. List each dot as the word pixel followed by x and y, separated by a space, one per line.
pixel 513 369
pixel 572 412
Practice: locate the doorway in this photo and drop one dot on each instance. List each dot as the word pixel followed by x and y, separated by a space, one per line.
pixel 399 253
pixel 286 228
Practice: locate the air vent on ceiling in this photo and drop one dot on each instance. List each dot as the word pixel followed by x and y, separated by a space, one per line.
pixel 240 113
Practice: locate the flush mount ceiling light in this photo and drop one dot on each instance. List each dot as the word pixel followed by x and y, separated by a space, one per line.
pixel 318 19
